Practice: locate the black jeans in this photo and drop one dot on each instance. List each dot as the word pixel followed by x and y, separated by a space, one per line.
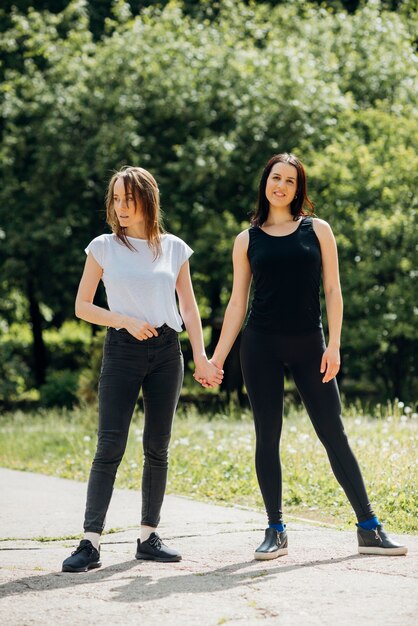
pixel 156 365
pixel 263 357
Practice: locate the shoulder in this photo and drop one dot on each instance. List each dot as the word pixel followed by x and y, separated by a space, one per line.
pixel 321 228
pixel 173 240
pixel 324 235
pixel 102 240
pixel 243 237
pixel 242 241
pixel 175 248
pixel 99 248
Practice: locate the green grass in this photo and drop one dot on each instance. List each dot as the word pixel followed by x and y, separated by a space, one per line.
pixel 211 458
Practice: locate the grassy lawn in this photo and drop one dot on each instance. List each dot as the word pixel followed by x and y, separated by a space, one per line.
pixel 211 458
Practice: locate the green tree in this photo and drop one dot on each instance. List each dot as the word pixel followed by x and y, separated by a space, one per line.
pixel 202 104
pixel 43 227
pixel 364 184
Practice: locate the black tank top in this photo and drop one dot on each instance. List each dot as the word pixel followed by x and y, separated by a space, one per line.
pixel 287 275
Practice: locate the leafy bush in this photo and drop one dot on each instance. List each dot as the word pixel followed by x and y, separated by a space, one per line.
pixel 68 346
pixel 60 389
pixel 89 376
pixel 13 374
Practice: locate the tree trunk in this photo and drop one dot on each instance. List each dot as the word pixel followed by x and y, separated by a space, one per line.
pixel 39 350
pixel 399 370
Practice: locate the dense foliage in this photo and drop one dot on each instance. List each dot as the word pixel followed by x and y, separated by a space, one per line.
pixel 202 99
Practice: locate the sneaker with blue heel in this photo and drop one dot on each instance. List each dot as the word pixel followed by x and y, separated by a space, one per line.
pixel 273 546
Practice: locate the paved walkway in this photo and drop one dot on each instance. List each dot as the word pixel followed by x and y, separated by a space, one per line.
pixel 323 581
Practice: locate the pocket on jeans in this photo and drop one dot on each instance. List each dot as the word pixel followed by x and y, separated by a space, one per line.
pixel 173 343
pixel 122 338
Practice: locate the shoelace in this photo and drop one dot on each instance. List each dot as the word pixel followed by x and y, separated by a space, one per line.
pixel 155 542
pixel 376 534
pixel 90 549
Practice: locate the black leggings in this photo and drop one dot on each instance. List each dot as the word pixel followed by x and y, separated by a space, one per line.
pixel 263 357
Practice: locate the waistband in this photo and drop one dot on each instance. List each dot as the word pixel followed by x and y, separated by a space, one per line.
pixel 161 330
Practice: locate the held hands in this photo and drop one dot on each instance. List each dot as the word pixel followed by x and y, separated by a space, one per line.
pixel 207 373
pixel 139 329
pixel 330 363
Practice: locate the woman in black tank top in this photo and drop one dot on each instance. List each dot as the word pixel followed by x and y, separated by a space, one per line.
pixel 285 252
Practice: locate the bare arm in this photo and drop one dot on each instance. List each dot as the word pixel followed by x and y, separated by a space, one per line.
pixel 86 310
pixel 205 371
pixel 333 298
pixel 238 302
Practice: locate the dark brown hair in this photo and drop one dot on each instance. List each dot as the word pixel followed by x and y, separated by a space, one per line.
pixel 300 200
pixel 144 189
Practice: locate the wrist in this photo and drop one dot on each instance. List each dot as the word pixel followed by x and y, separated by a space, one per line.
pixel 334 344
pixel 122 321
pixel 218 360
pixel 200 358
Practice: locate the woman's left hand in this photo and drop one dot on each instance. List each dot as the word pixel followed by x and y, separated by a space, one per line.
pixel 330 363
pixel 208 374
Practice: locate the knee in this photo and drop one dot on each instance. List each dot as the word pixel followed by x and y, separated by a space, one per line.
pixel 110 447
pixel 156 450
pixel 268 439
pixel 334 439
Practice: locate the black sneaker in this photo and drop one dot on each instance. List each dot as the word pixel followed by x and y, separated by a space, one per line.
pixel 84 558
pixel 153 549
pixel 274 545
pixel 376 541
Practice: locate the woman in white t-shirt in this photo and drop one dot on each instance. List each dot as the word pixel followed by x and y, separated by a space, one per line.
pixel 142 269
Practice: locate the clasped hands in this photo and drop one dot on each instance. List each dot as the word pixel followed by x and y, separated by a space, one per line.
pixel 207 373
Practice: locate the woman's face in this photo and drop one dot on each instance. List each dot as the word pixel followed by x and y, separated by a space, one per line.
pixel 124 206
pixel 281 185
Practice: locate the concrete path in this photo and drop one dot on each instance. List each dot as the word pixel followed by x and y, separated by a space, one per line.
pixel 323 581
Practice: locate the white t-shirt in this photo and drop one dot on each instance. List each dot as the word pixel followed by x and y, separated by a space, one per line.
pixel 137 284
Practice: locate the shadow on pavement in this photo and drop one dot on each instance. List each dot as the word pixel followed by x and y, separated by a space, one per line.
pixel 143 587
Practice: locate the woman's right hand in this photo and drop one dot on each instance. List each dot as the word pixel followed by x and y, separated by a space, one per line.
pixel 139 329
pixel 207 373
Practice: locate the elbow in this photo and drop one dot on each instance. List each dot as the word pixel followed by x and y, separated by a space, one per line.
pixel 239 307
pixel 78 309
pixel 333 292
pixel 334 298
pixel 189 312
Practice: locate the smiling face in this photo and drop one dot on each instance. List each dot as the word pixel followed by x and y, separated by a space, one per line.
pixel 129 213
pixel 281 185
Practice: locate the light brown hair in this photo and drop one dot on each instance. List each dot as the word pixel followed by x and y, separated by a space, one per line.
pixel 144 189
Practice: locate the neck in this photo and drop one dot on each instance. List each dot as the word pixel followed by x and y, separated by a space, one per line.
pixel 277 216
pixel 137 231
